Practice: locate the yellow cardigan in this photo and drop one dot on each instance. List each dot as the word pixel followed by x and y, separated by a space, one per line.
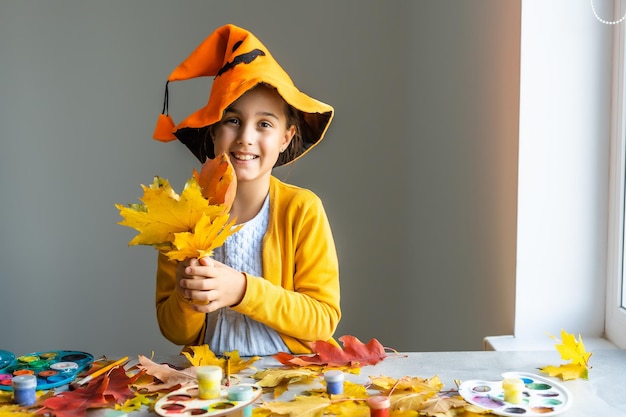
pixel 298 296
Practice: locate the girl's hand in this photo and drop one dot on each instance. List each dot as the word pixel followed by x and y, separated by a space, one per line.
pixel 209 285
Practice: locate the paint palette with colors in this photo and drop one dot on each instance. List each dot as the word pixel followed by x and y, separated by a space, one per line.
pixel 52 368
pixel 186 402
pixel 540 396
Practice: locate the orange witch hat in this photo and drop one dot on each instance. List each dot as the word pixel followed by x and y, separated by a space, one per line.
pixel 239 62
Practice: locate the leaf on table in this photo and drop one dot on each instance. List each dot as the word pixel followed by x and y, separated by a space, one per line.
pixel 412 384
pixel 300 406
pixel 566 371
pixel 202 355
pixel 168 377
pixel 279 379
pixel 119 384
pixel 348 408
pixel 137 402
pixel 76 403
pixel 409 400
pixel 354 354
pixel 440 406
pixel 571 350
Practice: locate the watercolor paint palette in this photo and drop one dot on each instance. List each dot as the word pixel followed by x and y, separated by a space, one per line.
pixel 186 402
pixel 53 368
pixel 540 396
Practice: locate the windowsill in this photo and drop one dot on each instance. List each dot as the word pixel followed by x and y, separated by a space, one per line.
pixel 511 343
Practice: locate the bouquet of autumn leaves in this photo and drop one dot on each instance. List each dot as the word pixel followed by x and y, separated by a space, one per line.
pixel 189 225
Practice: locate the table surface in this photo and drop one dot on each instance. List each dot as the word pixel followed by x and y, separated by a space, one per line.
pixel 603 394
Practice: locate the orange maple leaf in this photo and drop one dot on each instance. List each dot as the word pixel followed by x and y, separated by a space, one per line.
pixel 354 353
pixel 218 181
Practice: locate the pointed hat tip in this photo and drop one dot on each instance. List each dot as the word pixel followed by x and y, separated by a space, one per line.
pixel 164 128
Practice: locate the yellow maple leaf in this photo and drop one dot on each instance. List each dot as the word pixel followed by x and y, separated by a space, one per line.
pixel 443 405
pixel 202 355
pixel 137 402
pixel 567 371
pixel 188 225
pixel 571 350
pixel 208 234
pixel 164 213
pixel 412 384
pixel 348 408
pixel 271 377
pixel 300 406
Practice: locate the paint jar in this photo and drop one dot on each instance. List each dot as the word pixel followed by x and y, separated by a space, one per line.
pixel 334 382
pixel 242 393
pixel 379 406
pixel 24 389
pixel 513 388
pixel 209 381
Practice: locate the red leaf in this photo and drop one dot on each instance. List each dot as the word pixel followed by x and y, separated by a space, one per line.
pixel 354 353
pixel 75 403
pixel 119 384
pixel 105 391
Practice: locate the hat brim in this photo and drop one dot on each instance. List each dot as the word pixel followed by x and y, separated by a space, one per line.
pixel 315 117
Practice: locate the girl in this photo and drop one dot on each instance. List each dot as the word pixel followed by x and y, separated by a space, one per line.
pixel 274 285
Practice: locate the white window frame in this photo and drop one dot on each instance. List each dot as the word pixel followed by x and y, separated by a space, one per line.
pixel 615 321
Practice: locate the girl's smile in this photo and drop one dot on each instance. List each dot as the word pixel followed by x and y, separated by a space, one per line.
pixel 254 131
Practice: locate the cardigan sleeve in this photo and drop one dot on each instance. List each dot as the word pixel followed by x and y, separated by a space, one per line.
pixel 178 322
pixel 299 294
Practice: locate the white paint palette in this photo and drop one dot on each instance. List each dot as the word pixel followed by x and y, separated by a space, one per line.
pixel 540 397
pixel 185 402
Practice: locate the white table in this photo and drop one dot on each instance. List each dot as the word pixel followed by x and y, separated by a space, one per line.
pixel 602 395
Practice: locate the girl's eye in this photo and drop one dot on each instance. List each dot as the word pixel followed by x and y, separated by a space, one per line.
pixel 232 120
pixel 265 124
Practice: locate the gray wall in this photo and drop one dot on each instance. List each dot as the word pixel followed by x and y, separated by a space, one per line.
pixel 418 171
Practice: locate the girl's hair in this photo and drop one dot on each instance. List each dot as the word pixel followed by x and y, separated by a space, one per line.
pixel 296 146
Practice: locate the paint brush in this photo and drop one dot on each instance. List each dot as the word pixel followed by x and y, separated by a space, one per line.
pixel 227 371
pixel 99 372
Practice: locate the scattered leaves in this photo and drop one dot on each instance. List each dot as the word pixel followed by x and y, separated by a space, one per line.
pixel 571 350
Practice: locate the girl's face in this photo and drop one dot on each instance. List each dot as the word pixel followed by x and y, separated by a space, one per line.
pixel 253 131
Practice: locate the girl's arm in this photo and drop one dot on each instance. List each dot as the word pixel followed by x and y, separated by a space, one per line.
pixel 299 295
pixel 178 321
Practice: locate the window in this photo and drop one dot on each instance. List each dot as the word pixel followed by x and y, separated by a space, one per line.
pixel 615 325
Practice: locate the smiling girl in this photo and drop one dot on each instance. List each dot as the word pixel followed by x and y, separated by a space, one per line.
pixel 274 285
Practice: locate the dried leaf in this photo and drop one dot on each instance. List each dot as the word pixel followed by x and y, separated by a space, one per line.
pixel 270 378
pixel 218 181
pixel 168 377
pixel 410 384
pixel 76 403
pixel 354 354
pixel 188 225
pixel 137 402
pixel 440 406
pixel 209 233
pixel 202 355
pixel 301 406
pixel 574 351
